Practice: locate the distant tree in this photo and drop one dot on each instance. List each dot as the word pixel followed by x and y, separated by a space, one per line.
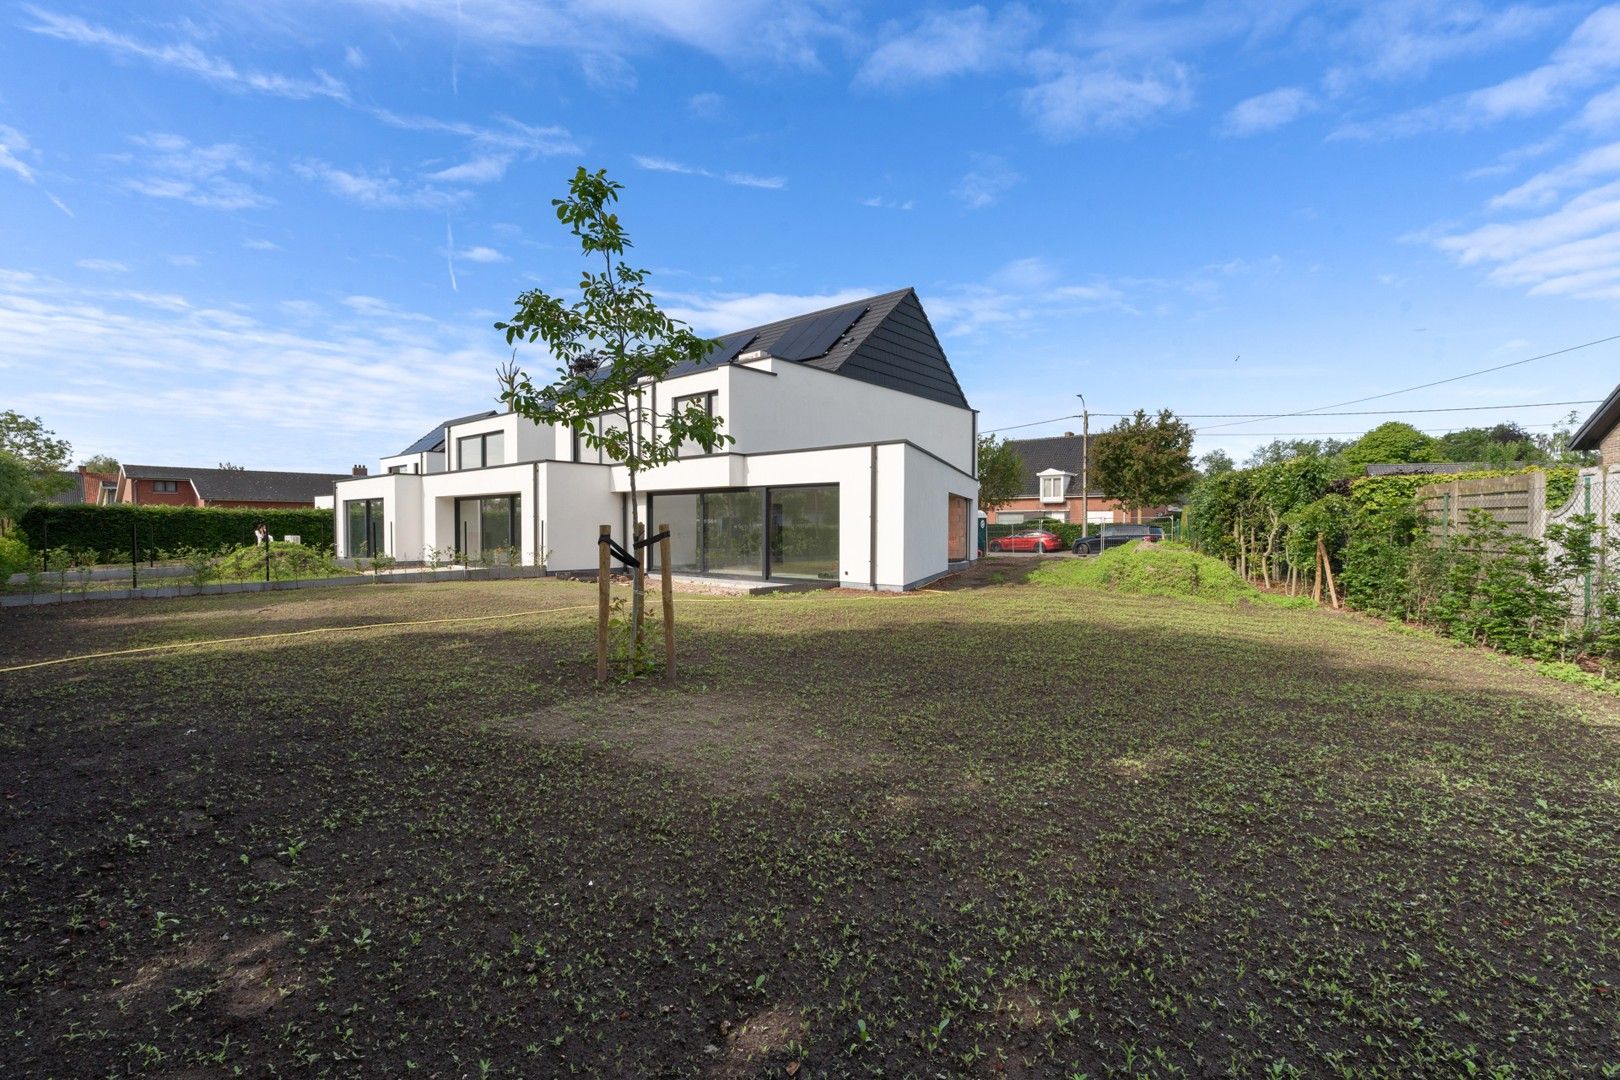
pixel 17 489
pixel 610 344
pixel 1500 444
pixel 46 458
pixel 228 467
pixel 101 463
pixel 1280 450
pixel 1215 463
pixel 1145 461
pixel 1001 473
pixel 1393 443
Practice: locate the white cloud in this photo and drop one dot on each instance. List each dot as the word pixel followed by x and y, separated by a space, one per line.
pixel 986 182
pixel 261 245
pixel 188 58
pixel 878 202
pixel 1589 56
pixel 12 143
pixel 184 260
pixel 377 192
pixel 719 313
pixel 221 383
pixel 480 170
pixel 1545 187
pixel 481 254
pixel 1268 111
pixel 201 175
pixel 945 43
pixel 354 57
pixel 1403 39
pixel 1084 97
pixel 102 266
pixel 660 164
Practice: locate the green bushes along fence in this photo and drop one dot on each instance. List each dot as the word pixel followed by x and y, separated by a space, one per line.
pixel 111 532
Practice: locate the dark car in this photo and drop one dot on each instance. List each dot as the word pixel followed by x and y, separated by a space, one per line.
pixel 1109 536
pixel 1037 540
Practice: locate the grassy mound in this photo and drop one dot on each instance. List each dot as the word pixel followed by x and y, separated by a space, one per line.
pixel 1163 569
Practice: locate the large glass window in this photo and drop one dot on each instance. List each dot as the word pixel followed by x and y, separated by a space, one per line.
pixel 732 528
pixel 727 532
pixel 489 527
pixel 804 532
pixel 481 451
pixel 365 531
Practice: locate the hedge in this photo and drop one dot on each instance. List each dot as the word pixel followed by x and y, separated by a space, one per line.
pixel 109 530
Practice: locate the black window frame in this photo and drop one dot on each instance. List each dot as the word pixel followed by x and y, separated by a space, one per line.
pixel 764 497
pixel 166 487
pixel 348 538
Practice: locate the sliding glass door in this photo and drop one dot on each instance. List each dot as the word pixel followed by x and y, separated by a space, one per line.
pixel 804 532
pixel 758 532
pixel 489 527
pixel 365 528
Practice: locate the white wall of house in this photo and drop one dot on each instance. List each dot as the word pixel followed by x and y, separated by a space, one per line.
pixel 777 411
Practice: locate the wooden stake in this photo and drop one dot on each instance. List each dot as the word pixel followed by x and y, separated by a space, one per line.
pixel 603 568
pixel 669 604
pixel 1327 568
pixel 1316 574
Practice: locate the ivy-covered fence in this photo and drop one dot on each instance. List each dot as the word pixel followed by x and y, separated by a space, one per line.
pixel 112 533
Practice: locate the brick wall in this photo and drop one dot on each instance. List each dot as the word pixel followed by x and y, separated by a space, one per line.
pixel 145 493
pixel 1096 504
pixel 1609 449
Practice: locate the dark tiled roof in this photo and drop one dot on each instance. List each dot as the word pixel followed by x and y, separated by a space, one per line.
pixel 1602 421
pixel 1055 452
pixel 890 343
pixel 433 441
pixel 70 496
pixel 242 485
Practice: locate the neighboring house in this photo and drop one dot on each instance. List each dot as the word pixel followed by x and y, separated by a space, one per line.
pixel 1051 485
pixel 83 487
pixel 164 485
pixel 853 464
pixel 1601 432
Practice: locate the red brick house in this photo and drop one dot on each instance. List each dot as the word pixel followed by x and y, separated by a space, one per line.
pixel 165 485
pixel 1051 486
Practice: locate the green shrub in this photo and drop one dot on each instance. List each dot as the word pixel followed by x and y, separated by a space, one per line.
pixel 15 557
pixel 110 530
pixel 288 562
pixel 1162 569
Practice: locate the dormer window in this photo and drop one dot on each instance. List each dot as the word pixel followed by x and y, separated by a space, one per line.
pixel 1054 484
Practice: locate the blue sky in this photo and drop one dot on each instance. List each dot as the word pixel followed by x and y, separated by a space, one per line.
pixel 278 233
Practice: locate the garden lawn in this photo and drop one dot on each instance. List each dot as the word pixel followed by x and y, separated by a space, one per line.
pixel 1014 829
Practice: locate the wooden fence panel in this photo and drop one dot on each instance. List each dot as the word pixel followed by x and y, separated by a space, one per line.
pixel 1518 502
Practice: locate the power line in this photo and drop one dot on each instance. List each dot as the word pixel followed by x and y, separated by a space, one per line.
pixel 1320 434
pixel 1427 385
pixel 1279 416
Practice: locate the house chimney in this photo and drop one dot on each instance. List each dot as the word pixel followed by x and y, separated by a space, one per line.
pixel 358 470
pixel 1068 434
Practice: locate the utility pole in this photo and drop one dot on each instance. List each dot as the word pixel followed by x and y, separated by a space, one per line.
pixel 1085 462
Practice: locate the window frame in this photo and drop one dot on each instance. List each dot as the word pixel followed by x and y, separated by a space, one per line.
pixel 482 439
pixel 165 487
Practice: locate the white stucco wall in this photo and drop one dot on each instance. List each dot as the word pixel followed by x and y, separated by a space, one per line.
pixel 576 500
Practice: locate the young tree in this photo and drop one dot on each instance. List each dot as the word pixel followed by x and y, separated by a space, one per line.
pixel 1001 472
pixel 17 491
pixel 610 345
pixel 1145 461
pixel 1215 463
pixel 45 457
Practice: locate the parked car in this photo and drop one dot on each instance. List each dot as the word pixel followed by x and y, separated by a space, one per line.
pixel 1114 535
pixel 1037 540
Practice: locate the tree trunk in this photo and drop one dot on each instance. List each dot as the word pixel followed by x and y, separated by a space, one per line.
pixel 638 580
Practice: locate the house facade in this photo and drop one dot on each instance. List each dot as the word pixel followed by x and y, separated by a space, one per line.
pixel 1601 431
pixel 1051 486
pixel 169 485
pixel 853 464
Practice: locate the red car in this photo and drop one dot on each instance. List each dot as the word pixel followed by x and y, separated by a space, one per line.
pixel 1037 540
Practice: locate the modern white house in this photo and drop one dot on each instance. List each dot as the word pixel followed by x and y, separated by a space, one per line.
pixel 854 464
